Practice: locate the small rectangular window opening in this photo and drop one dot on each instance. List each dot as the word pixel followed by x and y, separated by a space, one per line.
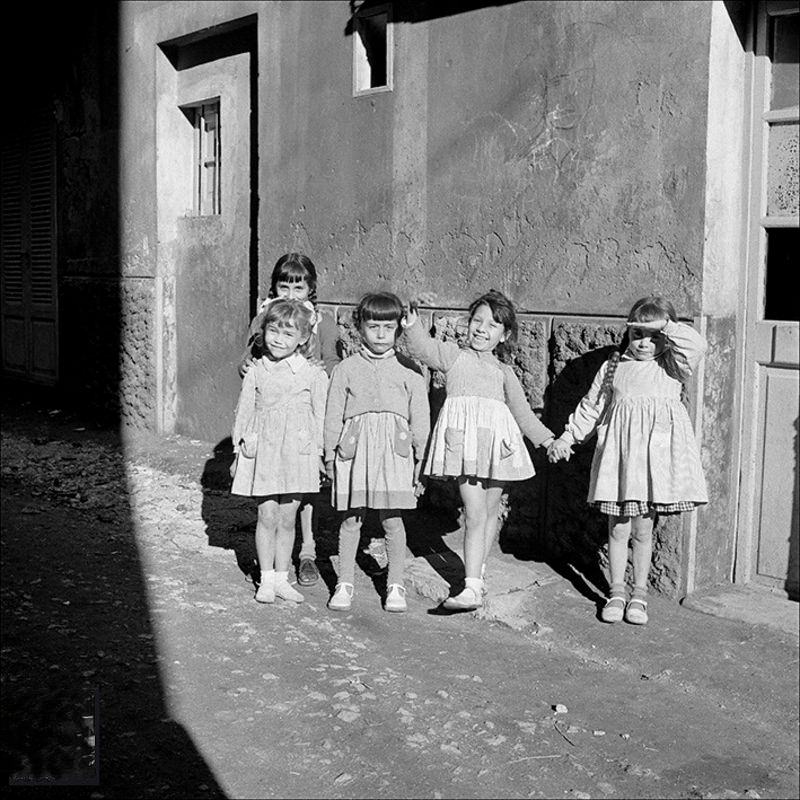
pixel 372 50
pixel 205 120
pixel 780 301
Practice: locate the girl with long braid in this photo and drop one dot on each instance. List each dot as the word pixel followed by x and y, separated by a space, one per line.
pixel 646 462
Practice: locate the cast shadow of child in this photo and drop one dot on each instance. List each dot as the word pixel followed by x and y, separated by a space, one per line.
pixel 230 520
pixel 571 534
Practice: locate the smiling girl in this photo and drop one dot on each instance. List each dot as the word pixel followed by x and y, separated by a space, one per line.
pixel 277 439
pixel 478 435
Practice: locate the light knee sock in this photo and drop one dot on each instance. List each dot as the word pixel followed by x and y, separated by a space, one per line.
pixel 349 536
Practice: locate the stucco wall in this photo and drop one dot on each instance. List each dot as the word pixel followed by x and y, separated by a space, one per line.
pixel 553 150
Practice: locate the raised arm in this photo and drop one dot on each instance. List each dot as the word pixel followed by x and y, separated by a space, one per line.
pixel 530 425
pixel 424 348
pixel 688 345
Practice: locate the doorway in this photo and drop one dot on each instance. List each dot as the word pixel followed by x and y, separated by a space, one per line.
pixel 767 550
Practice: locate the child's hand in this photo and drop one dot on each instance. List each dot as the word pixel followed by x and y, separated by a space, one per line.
pixel 411 317
pixel 233 465
pixel 419 486
pixel 315 362
pixel 559 450
pixel 329 470
pixel 245 365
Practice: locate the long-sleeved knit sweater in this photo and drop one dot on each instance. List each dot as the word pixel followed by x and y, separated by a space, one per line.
pixel 361 384
pixel 470 373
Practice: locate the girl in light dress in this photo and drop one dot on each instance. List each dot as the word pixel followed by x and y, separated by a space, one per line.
pixel 294 277
pixel 376 427
pixel 646 461
pixel 478 437
pixel 277 439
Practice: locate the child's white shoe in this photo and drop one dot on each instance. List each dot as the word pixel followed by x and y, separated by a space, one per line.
pixel 286 591
pixel 636 611
pixel 266 589
pixel 342 597
pixel 396 598
pixel 468 599
pixel 613 609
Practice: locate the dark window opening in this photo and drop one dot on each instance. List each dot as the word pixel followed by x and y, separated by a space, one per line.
pixel 780 300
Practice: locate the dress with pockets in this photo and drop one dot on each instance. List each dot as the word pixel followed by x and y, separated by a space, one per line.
pixel 479 431
pixel 277 430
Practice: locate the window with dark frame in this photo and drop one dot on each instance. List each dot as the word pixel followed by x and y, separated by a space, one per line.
pixel 372 50
pixel 781 222
pixel 206 195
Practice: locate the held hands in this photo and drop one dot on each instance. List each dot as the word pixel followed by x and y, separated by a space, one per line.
pixel 559 450
pixel 329 469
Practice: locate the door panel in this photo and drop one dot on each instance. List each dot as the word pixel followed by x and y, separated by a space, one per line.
pixel 768 519
pixel 28 253
pixel 212 261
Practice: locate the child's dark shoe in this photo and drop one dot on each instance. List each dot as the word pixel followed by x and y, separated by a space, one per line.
pixel 307 572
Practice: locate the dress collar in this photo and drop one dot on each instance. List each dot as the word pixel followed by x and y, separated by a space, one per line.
pixel 294 362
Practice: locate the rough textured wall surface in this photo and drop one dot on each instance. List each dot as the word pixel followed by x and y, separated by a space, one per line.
pixel 716 520
pixel 554 151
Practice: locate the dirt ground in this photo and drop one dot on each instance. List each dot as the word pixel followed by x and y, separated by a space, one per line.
pixel 125 583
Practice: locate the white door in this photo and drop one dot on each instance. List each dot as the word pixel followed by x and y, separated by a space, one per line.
pixel 767 550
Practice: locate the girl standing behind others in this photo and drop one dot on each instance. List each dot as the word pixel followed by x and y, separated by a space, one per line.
pixel 294 277
pixel 376 427
pixel 277 438
pixel 646 461
pixel 478 435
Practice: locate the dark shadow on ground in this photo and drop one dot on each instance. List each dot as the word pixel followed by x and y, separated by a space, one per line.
pixel 76 620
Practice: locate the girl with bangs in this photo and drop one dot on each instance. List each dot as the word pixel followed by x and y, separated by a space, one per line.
pixel 376 428
pixel 294 277
pixel 646 462
pixel 277 439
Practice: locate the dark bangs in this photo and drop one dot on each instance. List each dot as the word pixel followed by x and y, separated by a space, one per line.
pixel 649 308
pixel 295 268
pixel 378 307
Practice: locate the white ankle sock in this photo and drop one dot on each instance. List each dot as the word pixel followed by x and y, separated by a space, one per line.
pixel 476 584
pixel 282 577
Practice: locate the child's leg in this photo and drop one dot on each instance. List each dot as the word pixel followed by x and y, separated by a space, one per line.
pixel 287 517
pixel 266 535
pixel 494 491
pixel 473 495
pixel 392 523
pixel 307 572
pixel 349 536
pixel 308 548
pixel 619 531
pixel 288 504
pixel 642 535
